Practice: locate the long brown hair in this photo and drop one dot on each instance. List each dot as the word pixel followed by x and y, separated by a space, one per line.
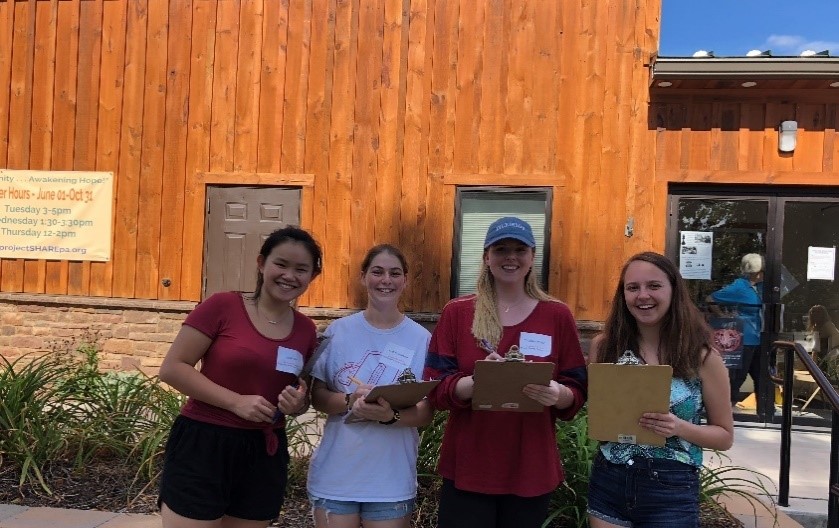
pixel 685 336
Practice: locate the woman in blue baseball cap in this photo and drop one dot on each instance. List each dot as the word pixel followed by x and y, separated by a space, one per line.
pixel 499 468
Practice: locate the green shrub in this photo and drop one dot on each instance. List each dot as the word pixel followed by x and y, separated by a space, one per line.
pixel 59 406
pixel 34 413
pixel 569 501
pixel 303 434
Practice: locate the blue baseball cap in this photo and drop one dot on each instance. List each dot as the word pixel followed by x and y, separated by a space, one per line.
pixel 509 227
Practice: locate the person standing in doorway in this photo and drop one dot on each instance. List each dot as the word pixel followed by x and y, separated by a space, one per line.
pixel 744 296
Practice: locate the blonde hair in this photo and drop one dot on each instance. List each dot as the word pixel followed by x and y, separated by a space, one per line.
pixel 486 326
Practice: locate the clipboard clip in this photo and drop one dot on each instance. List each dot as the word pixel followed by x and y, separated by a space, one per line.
pixel 628 358
pixel 514 354
pixel 406 377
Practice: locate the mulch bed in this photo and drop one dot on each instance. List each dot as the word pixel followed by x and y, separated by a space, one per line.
pixel 109 486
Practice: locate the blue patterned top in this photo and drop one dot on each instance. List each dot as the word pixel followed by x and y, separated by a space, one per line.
pixel 686 403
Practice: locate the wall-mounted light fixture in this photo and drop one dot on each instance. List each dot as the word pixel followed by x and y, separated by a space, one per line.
pixel 787 133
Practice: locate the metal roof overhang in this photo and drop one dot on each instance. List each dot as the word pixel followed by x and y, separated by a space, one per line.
pixel 746 68
pixel 814 78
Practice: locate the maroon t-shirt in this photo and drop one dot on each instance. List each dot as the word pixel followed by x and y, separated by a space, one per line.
pixel 240 358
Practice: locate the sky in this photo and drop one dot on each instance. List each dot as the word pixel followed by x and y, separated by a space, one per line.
pixel 731 28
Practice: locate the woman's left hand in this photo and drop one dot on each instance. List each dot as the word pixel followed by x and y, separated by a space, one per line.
pixel 662 424
pixel 547 395
pixel 292 400
pixel 380 411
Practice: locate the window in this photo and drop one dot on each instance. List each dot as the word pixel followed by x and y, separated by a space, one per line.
pixel 476 208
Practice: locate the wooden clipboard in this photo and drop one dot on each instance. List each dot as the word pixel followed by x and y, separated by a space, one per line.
pixel 499 384
pixel 399 396
pixel 619 394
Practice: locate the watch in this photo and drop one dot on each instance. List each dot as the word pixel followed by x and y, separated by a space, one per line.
pixel 393 420
pixel 347 401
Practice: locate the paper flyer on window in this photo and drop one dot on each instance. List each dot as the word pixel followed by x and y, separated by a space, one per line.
pixel 695 252
pixel 821 263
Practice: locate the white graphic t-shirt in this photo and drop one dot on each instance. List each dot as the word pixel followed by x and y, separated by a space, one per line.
pixel 367 461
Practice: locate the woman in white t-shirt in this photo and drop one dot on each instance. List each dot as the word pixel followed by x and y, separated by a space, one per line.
pixel 364 473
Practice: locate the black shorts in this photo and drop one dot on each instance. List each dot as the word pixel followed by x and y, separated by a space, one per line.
pixel 210 471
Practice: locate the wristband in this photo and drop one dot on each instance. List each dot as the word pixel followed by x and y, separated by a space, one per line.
pixel 303 408
pixel 393 420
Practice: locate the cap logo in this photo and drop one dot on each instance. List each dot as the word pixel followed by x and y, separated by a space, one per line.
pixel 510 224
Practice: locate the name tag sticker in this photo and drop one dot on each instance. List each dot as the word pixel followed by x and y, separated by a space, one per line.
pixel 396 356
pixel 289 360
pixel 538 345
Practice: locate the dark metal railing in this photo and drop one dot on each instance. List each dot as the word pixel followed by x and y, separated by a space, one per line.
pixel 829 393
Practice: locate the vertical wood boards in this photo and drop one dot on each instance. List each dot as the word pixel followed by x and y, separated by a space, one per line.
pixel 378 101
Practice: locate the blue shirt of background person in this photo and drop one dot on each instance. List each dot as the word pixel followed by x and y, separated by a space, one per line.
pixel 746 298
pixel 745 295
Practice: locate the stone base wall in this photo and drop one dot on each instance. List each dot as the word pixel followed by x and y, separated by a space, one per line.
pixel 130 334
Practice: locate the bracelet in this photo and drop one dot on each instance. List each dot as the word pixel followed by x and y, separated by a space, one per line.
pixel 302 409
pixel 393 420
pixel 347 401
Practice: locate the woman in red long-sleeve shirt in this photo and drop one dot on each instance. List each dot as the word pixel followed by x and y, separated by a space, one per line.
pixel 500 467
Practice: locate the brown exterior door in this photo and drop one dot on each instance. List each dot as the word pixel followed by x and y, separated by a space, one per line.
pixel 238 220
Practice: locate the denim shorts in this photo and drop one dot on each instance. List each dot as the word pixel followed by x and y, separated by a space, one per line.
pixel 368 511
pixel 653 493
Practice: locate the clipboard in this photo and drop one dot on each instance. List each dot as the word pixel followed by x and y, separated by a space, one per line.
pixel 619 394
pixel 498 384
pixel 402 395
pixel 319 350
pixel 399 396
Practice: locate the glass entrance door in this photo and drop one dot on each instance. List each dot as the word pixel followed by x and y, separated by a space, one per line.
pixel 761 266
pixel 808 293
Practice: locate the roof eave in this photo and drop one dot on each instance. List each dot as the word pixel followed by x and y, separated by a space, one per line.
pixel 814 67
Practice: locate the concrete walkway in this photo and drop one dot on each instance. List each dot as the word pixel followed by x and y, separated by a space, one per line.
pixel 755 447
pixel 12 516
pixel 758 448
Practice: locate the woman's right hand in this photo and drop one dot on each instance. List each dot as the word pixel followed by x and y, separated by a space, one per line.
pixel 360 393
pixel 253 408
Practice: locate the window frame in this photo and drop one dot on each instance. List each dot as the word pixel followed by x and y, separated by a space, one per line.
pixel 466 191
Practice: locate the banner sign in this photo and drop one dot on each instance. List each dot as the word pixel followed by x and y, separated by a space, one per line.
pixel 56 215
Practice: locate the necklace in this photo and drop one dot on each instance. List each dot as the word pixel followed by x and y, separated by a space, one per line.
pixel 270 321
pixel 507 309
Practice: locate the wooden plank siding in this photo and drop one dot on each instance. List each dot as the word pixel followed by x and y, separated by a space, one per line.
pixel 111 96
pixel 379 110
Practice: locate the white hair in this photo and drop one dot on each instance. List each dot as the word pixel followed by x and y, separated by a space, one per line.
pixel 751 263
